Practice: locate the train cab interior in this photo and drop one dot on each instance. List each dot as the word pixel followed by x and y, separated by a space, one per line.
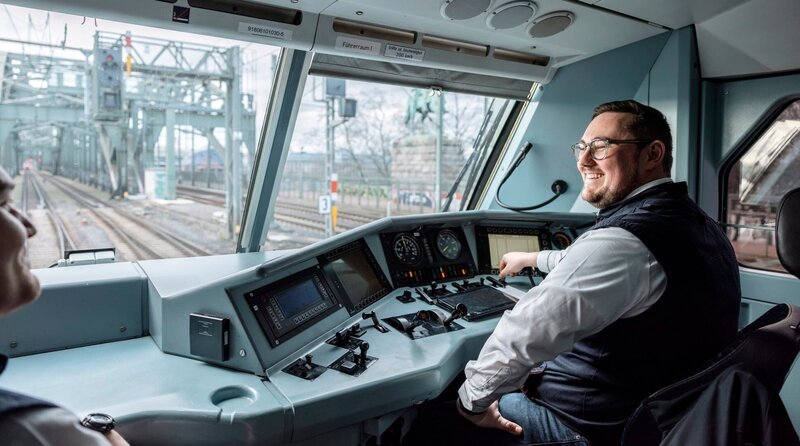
pixel 280 221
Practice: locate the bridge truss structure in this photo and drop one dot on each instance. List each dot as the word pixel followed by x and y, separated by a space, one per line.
pixel 107 115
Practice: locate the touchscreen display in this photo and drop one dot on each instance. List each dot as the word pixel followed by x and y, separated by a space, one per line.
pixel 297 298
pixel 356 276
pixel 499 244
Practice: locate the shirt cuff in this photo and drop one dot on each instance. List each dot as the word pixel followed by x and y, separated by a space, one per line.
pixel 466 397
pixel 465 410
pixel 547 260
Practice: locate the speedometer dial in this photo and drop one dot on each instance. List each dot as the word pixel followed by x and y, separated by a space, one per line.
pixel 407 249
pixel 448 244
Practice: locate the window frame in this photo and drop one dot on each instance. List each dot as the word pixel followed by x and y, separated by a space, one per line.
pixel 757 130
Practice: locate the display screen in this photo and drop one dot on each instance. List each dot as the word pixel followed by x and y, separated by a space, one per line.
pixel 356 276
pixel 499 244
pixel 285 307
pixel 297 298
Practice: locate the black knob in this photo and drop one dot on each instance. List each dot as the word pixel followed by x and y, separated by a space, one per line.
pixel 309 359
pixel 466 282
pixel 458 312
pixel 407 294
pixel 363 349
pixel 367 315
pixel 483 281
pixel 355 328
pixel 433 285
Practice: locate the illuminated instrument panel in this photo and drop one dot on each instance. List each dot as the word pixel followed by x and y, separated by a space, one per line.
pixel 355 276
pixel 434 260
pixel 427 254
pixel 494 241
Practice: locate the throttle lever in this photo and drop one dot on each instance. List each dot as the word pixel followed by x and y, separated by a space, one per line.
pixel 459 311
pixel 375 321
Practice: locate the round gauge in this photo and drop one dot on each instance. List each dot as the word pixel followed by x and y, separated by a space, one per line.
pixel 561 240
pixel 407 249
pixel 448 244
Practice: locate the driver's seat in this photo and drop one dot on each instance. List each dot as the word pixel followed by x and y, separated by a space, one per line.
pixel 763 352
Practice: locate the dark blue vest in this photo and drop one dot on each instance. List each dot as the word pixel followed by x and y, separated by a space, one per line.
pixel 597 385
pixel 10 401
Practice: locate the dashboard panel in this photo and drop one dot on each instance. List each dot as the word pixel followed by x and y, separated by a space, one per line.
pixel 427 253
pixel 355 275
pixel 314 334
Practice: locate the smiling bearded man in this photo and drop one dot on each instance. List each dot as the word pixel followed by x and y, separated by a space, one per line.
pixel 638 301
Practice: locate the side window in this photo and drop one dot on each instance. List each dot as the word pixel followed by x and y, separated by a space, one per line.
pixel 756 183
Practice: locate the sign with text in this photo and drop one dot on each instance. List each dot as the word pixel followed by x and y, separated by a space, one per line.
pixel 359 45
pixel 325 204
pixel 403 52
pixel 265 31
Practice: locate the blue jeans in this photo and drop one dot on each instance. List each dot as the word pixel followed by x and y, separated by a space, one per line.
pixel 438 424
pixel 539 425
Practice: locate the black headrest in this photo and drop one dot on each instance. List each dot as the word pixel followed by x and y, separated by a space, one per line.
pixel 787 231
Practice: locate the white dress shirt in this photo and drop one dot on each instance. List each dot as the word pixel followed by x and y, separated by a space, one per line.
pixel 605 275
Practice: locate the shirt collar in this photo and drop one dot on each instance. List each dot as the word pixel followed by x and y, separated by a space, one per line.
pixel 646 186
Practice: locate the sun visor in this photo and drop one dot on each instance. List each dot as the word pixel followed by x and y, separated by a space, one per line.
pixel 420 77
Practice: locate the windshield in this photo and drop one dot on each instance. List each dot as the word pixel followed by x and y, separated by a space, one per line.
pixel 126 136
pixel 364 150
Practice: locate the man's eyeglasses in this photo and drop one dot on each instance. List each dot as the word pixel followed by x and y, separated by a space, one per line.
pixel 598 147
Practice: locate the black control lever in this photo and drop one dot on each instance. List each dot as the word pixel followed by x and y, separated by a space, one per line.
pixel 362 358
pixel 425 297
pixel 496 283
pixel 528 271
pixel 375 321
pixel 460 311
pixel 420 318
pixel 342 337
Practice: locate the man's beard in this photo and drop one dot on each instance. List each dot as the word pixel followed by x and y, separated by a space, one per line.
pixel 606 196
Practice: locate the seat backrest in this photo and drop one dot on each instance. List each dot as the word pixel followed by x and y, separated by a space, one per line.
pixel 767 347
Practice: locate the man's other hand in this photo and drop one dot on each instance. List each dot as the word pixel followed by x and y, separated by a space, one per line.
pixel 491 418
pixel 513 262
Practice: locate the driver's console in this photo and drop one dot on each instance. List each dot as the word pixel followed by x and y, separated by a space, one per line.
pixel 330 343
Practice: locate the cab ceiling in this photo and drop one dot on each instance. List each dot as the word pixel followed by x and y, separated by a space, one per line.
pixel 735 37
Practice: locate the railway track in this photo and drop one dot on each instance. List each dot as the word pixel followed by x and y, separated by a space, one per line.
pixel 33 183
pixel 206 196
pixel 299 215
pixel 140 236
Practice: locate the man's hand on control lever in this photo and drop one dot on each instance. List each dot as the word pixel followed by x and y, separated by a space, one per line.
pixel 513 262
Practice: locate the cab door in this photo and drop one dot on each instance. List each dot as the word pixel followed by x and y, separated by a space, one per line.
pixel 750 157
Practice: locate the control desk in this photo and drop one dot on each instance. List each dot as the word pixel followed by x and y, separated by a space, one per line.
pixel 332 343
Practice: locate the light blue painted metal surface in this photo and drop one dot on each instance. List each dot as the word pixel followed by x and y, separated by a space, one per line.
pixel 674 85
pixel 564 109
pixel 79 305
pixel 177 400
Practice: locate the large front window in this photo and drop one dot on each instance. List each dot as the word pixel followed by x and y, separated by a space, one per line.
pixel 131 137
pixel 362 151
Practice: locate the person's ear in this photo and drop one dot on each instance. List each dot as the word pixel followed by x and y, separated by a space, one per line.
pixel 654 154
